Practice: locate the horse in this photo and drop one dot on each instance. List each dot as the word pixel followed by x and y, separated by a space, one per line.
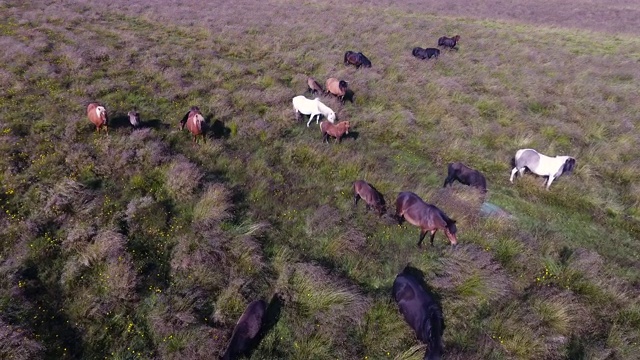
pixel 246 331
pixel 337 88
pixel 421 312
pixel 542 165
pixel 465 175
pixel 98 116
pixel 356 58
pixel 412 208
pixel 449 42
pixel 337 131
pixel 427 53
pixel 302 105
pixel 134 118
pixel 366 191
pixel 194 121
pixel 313 86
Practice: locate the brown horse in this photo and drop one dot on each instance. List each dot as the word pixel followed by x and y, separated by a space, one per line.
pixel 337 88
pixel 366 191
pixel 412 208
pixel 337 131
pixel 98 116
pixel 314 86
pixel 194 121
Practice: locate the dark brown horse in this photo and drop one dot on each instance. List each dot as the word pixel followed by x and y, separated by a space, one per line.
pixel 465 175
pixel 366 191
pixel 356 58
pixel 427 53
pixel 194 121
pixel 246 331
pixel 421 311
pixel 449 42
pixel 427 217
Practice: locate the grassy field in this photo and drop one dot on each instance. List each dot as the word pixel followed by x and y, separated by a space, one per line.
pixel 141 244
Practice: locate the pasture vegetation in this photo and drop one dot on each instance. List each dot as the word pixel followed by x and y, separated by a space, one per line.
pixel 141 245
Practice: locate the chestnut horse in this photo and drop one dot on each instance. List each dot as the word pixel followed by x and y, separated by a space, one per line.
pixel 429 218
pixel 98 116
pixel 194 122
pixel 366 191
pixel 337 131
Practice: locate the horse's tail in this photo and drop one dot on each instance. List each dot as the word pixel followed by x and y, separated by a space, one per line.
pixel 435 335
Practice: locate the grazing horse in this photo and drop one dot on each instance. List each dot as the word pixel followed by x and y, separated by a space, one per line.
pixel 313 86
pixel 246 331
pixel 421 312
pixel 356 58
pixel 465 175
pixel 337 131
pixel 366 191
pixel 412 208
pixel 134 118
pixel 98 116
pixel 449 42
pixel 194 121
pixel 543 165
pixel 337 88
pixel 427 53
pixel 302 105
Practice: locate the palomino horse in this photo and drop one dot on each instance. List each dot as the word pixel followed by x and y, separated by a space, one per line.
pixel 313 86
pixel 540 164
pixel 313 108
pixel 421 312
pixel 371 196
pixel 98 116
pixel 245 334
pixel 194 121
pixel 427 217
pixel 337 88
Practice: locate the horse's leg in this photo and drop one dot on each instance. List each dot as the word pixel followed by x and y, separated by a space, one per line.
pixel 513 173
pixel 549 181
pixel 433 234
pixel 423 233
pixel 356 197
pixel 310 119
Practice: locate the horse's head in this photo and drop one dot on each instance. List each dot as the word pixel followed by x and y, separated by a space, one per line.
pixel 102 113
pixel 365 61
pixel 345 126
pixel 569 164
pixel 456 38
pixel 331 117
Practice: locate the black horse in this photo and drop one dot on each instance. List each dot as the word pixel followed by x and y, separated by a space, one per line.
pixel 427 53
pixel 246 331
pixel 420 311
pixel 356 58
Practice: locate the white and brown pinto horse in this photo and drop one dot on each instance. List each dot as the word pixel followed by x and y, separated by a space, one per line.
pixel 313 108
pixel 427 217
pixel 194 121
pixel 98 116
pixel 542 165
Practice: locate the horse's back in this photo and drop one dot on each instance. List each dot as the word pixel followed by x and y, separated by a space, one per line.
pixel 527 157
pixel 246 329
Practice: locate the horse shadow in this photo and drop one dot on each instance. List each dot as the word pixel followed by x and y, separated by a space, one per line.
pixel 153 124
pixel 352 134
pixel 119 121
pixel 216 129
pixel 349 95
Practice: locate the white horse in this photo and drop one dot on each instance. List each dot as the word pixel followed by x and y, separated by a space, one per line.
pixel 542 165
pixel 313 108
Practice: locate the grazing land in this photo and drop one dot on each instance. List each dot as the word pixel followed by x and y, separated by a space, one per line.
pixel 141 244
